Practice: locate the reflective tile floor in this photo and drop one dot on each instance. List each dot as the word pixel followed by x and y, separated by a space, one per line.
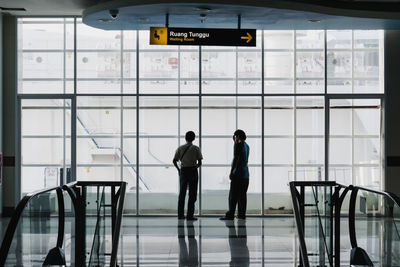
pixel 208 242
pixel 167 241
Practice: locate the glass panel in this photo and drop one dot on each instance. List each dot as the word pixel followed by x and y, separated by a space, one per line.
pixel 367 39
pixel 278 64
pixel 341 174
pixel 101 65
pixel 337 86
pixel 368 176
pixel 249 64
pixel 367 117
pixel 45 148
pixel 218 64
pixel 222 86
pixel 310 65
pixel 99 138
pixel 310 116
pixel 278 39
pixel 90 38
pixel 366 64
pixel 339 64
pixel 42 65
pixel 310 39
pixel 308 86
pixel 340 151
pixel 98 173
pixel 367 86
pixel 249 86
pixel 279 86
pixel 277 197
pixel 355 142
pixel 367 150
pixel 218 116
pixel 129 39
pixel 189 64
pixel 341 121
pixel 158 64
pixel 42 36
pixel 278 116
pixel 339 39
pixel 217 145
pixel 158 142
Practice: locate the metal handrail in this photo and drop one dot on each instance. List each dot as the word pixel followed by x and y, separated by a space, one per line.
pixel 338 198
pixel 299 224
pixel 353 199
pixel 298 211
pixel 74 192
pixel 115 241
pixel 12 225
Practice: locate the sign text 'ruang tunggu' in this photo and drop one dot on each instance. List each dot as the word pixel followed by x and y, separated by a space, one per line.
pixel 200 36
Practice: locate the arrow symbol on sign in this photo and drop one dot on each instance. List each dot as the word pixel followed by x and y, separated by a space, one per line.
pixel 248 38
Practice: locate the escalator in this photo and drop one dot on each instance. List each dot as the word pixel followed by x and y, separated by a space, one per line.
pixel 346 225
pixel 66 225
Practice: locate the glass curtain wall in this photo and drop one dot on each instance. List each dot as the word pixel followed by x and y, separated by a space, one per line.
pixel 135 102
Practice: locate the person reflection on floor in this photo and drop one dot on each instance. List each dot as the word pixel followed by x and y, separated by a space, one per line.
pixel 187 257
pixel 238 244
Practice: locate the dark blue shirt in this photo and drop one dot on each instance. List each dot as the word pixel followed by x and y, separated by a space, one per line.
pixel 241 151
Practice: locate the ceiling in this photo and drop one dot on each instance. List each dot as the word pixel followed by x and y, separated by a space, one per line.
pixel 259 14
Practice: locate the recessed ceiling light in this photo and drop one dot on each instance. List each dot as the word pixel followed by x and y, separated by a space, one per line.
pixel 105 20
pixel 314 20
pixel 203 9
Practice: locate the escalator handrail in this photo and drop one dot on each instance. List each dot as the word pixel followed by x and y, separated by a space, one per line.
pixel 12 225
pixel 353 199
pixel 118 222
pixel 299 224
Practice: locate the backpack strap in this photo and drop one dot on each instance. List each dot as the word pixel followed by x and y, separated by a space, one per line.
pixel 185 151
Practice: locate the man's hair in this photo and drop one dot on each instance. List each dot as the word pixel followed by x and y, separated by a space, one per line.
pixel 241 134
pixel 190 136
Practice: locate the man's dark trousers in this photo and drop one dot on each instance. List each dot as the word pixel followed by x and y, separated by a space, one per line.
pixel 188 177
pixel 237 196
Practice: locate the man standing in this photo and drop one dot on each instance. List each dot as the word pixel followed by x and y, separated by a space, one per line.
pixel 190 157
pixel 239 177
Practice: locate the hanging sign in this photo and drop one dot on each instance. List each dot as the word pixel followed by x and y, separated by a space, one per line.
pixel 200 36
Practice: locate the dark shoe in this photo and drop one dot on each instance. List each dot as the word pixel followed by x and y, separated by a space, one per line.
pixel 191 219
pixel 226 218
pixel 181 217
pixel 241 217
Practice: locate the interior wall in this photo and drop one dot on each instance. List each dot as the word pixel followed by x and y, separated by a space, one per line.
pixel 10 196
pixel 392 84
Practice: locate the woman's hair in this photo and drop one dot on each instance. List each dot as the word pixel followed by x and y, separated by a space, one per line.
pixel 241 134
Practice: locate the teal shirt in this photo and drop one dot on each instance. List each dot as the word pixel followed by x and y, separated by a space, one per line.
pixel 242 151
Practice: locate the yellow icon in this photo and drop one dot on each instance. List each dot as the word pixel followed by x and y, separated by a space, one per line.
pixel 248 37
pixel 158 35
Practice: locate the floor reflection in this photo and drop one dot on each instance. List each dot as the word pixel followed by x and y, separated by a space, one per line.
pixel 188 252
pixel 238 243
pixel 208 242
